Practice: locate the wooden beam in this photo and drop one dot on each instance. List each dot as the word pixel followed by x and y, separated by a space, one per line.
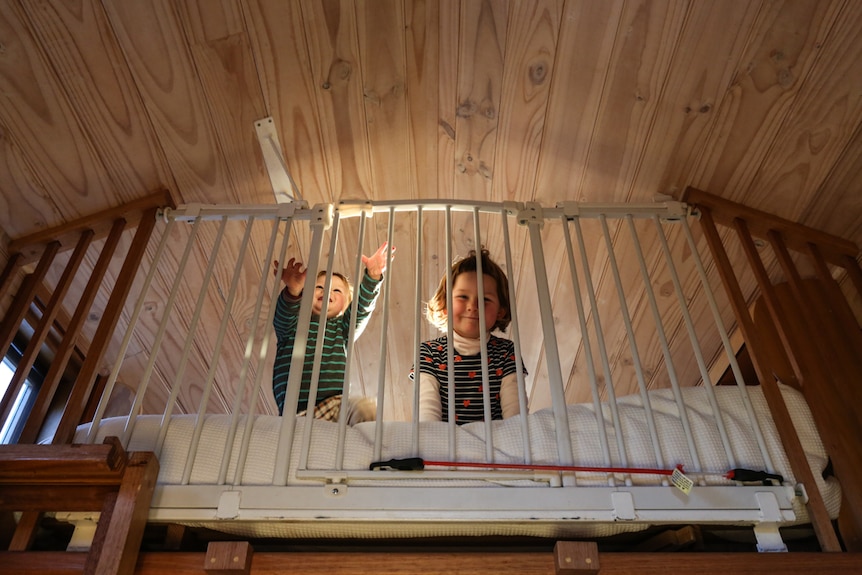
pixel 54 497
pixel 25 531
pixel 62 464
pixel 576 558
pixel 447 563
pixel 121 526
pixel 7 277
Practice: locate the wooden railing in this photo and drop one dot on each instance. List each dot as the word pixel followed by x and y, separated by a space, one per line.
pixel 104 478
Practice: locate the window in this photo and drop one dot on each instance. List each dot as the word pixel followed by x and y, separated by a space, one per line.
pixel 20 407
pixel 23 402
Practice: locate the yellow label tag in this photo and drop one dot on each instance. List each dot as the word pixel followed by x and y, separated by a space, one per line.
pixel 681 482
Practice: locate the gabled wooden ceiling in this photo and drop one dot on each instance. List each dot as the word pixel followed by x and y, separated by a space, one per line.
pixel 105 101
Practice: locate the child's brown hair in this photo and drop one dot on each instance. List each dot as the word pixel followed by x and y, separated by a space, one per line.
pixel 435 310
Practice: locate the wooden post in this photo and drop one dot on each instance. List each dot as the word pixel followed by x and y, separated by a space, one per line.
pixel 576 558
pixel 124 516
pixel 228 558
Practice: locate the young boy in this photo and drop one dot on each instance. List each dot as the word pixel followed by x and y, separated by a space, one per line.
pixel 334 357
pixel 466 332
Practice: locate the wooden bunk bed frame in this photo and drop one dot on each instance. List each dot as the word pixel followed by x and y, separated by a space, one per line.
pixel 777 341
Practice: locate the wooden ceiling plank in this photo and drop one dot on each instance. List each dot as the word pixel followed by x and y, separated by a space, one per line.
pixel 531 55
pixel 638 69
pixel 686 108
pixel 821 123
pixel 584 50
pixel 836 207
pixel 157 52
pixel 222 56
pixel 382 50
pixel 449 35
pixel 280 48
pixel 424 53
pixel 84 54
pixel 335 66
pixel 782 49
pixel 68 179
pixel 482 41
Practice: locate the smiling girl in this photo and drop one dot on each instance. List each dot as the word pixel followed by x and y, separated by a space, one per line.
pixel 466 323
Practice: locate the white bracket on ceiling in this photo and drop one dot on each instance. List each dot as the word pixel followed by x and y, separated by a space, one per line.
pixel 283 186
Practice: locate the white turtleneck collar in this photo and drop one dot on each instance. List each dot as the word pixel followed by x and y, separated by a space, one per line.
pixel 466 345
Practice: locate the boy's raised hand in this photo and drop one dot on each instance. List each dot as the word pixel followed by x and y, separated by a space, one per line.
pixel 375 264
pixel 293 276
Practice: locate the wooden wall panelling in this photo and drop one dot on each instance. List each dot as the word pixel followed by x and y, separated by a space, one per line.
pixel 530 57
pixel 158 56
pixel 384 60
pixel 279 45
pixel 680 137
pixel 845 175
pixel 639 62
pixel 81 47
pixel 449 49
pixel 337 80
pixel 782 47
pixel 807 145
pixel 67 177
pixel 425 85
pixel 588 32
pixel 222 56
pixel 185 302
pixel 530 51
pixel 575 93
pixel 480 78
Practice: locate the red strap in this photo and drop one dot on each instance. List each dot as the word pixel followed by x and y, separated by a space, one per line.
pixel 630 470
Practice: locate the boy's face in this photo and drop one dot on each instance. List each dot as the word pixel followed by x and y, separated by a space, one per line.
pixel 465 304
pixel 337 297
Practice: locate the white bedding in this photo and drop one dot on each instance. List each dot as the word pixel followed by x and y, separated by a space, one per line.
pixel 397 441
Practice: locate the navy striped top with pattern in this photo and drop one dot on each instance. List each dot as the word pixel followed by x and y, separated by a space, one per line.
pixel 469 401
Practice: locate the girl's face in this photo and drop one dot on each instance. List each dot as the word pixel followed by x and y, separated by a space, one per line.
pixel 465 304
pixel 337 297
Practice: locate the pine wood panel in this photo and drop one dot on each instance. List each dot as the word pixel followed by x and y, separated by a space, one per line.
pixel 69 180
pixel 492 99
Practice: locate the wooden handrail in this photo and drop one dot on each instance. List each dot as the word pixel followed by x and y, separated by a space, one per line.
pixel 760 223
pixel 30 246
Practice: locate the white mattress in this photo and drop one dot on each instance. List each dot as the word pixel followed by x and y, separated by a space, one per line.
pixel 397 442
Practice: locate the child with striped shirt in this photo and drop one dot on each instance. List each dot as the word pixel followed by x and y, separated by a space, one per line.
pixel 468 394
pixel 338 319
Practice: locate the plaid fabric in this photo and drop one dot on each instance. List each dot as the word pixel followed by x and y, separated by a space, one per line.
pixel 327 409
pixel 358 410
